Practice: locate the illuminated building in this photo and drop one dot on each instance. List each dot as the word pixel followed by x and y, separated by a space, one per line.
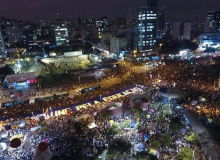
pixel 130 18
pixel 117 43
pixel 161 23
pixel 210 22
pixel 14 35
pixel 147 29
pixel 102 25
pixel 61 33
pixel 209 40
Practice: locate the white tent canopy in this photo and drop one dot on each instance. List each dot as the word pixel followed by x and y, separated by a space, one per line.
pixel 27 146
pixel 21 123
pixel 3 133
pixel 3 146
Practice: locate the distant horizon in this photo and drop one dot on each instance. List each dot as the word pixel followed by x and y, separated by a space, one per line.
pixel 47 9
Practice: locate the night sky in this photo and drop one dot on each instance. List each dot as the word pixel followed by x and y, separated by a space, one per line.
pixel 47 9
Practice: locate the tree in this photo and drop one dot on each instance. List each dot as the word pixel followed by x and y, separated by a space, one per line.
pixel 120 145
pixel 186 153
pixel 104 113
pixel 192 137
pixel 176 125
pixel 138 112
pixel 166 139
pixel 155 144
pixel 160 119
pixel 4 71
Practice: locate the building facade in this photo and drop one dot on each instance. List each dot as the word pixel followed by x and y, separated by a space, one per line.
pixel 210 22
pixel 161 23
pixel 61 33
pixel 117 43
pixel 181 31
pixel 130 18
pixel 147 28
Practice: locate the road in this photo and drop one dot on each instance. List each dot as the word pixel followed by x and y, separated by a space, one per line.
pixel 208 142
pixel 28 90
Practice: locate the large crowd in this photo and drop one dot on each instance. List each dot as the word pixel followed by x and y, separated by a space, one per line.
pixel 64 138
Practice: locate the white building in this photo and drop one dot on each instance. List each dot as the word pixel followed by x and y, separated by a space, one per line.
pixel 181 31
pixel 61 33
pixel 117 43
pixel 187 31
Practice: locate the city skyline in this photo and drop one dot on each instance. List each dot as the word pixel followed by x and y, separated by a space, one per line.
pixel 48 9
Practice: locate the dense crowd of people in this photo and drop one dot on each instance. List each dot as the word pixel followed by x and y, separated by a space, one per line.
pixel 66 137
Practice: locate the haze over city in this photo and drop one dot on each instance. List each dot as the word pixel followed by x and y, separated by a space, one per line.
pixel 47 9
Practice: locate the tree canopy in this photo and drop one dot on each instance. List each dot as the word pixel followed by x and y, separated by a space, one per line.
pixel 186 153
pixel 4 71
pixel 120 145
pixel 155 144
pixel 166 139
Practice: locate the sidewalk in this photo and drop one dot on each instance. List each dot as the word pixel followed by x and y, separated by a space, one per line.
pixel 208 142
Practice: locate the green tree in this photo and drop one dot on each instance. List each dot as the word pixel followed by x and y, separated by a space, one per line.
pixel 155 144
pixel 138 112
pixel 176 125
pixel 125 123
pixel 160 119
pixel 186 153
pixel 4 71
pixel 166 139
pixel 192 137
pixel 120 146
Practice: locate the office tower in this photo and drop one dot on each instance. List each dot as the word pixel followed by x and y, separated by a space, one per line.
pixel 181 31
pixel 147 27
pixel 102 25
pixel 187 31
pixel 217 20
pixel 161 23
pixel 91 20
pixel 61 32
pixel 210 22
pixel 117 43
pixel 130 18
pixel 2 46
pixel 14 35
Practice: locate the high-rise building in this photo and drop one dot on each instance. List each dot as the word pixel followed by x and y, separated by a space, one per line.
pixel 2 46
pixel 14 35
pixel 210 22
pixel 187 31
pixel 61 32
pixel 91 20
pixel 147 27
pixel 102 25
pixel 169 28
pixel 117 43
pixel 217 20
pixel 181 31
pixel 161 23
pixel 130 18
